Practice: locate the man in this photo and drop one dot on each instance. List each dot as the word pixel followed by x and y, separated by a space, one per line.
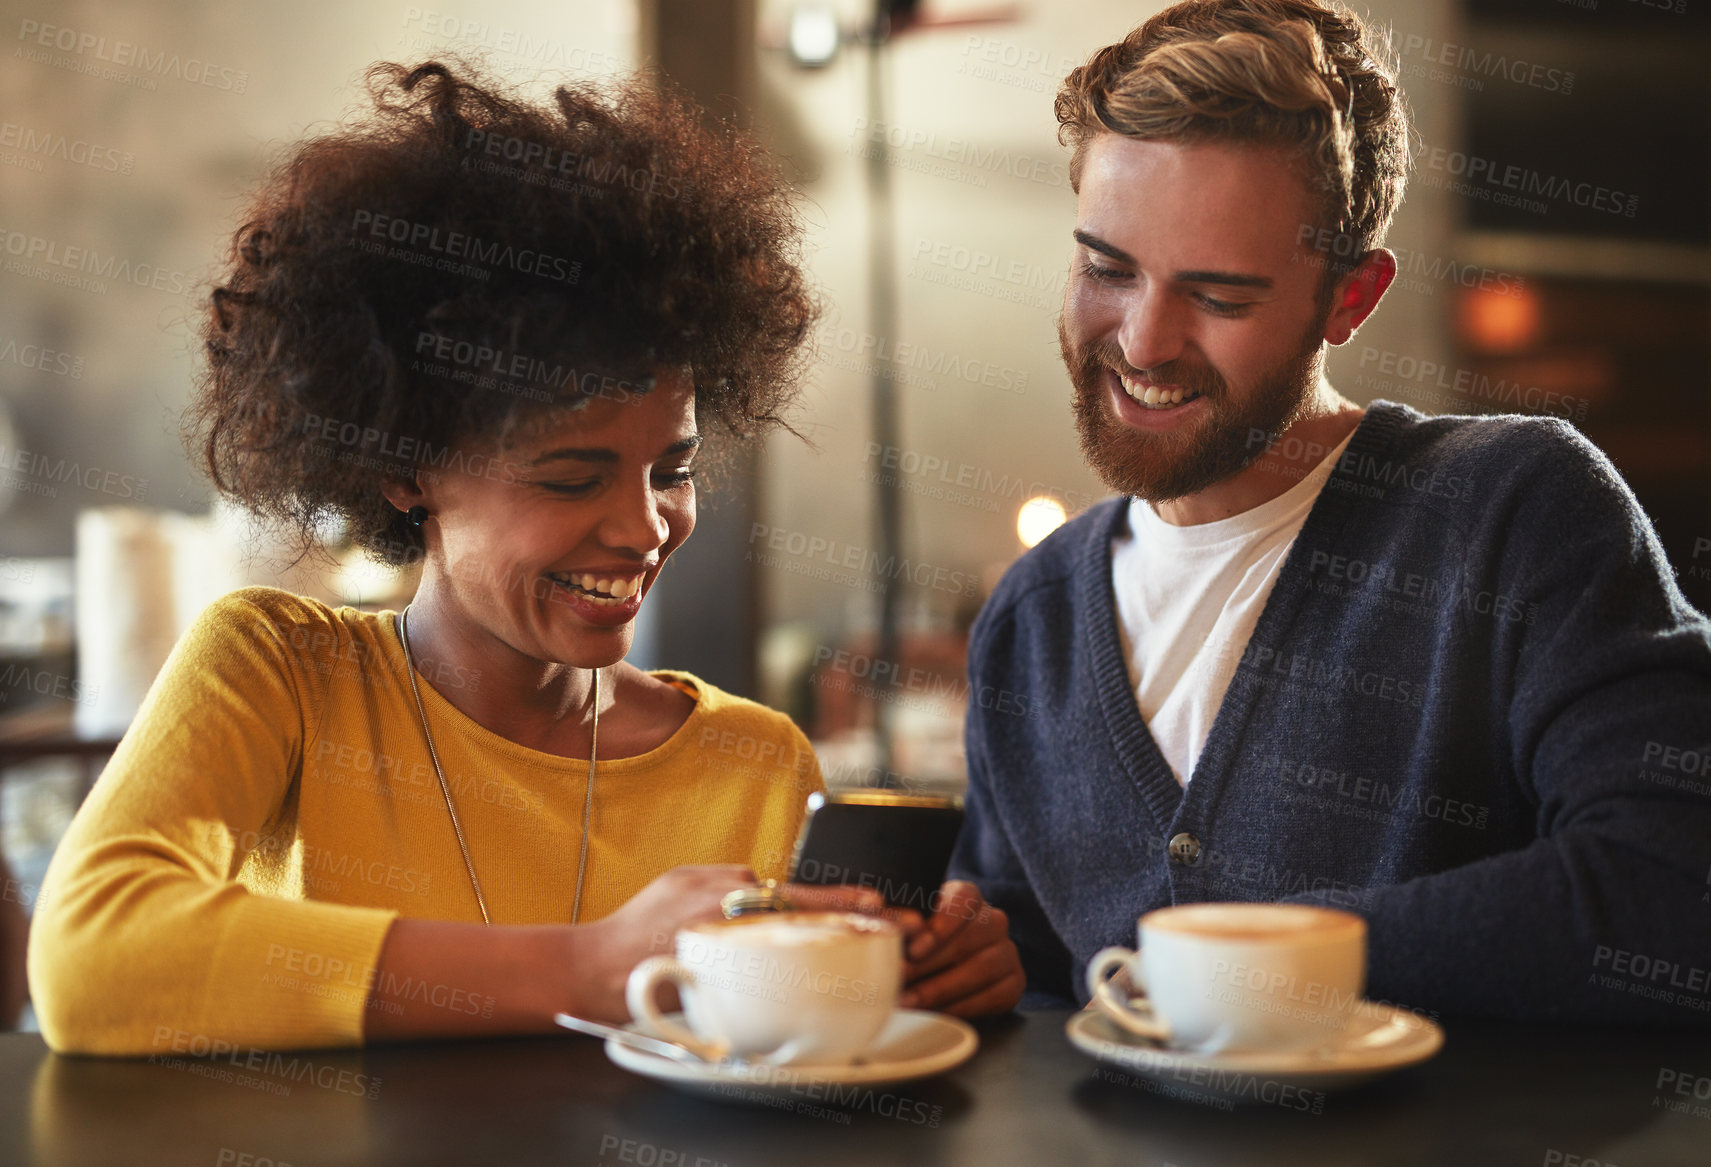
pixel 1432 671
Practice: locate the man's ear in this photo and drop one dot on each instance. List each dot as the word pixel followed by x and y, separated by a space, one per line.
pixel 1358 293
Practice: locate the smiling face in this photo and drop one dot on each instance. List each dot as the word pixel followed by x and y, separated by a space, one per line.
pixel 546 547
pixel 1192 317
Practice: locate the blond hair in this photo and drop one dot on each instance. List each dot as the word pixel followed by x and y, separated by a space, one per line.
pixel 1293 74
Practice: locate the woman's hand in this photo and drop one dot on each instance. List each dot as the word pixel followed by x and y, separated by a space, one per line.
pixel 681 898
pixel 962 960
pixel 513 978
pixel 645 925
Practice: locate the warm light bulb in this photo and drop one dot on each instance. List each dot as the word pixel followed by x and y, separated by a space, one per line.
pixel 1039 517
pixel 1501 322
pixel 813 35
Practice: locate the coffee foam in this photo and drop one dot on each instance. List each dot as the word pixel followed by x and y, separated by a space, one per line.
pixel 796 929
pixel 1255 921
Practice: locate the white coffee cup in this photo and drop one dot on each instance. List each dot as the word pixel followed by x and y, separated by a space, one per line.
pixel 1236 977
pixel 785 988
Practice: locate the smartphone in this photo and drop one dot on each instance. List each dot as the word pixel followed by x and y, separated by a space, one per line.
pixel 898 843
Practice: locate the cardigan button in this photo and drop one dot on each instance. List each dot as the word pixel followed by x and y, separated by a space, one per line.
pixel 1184 849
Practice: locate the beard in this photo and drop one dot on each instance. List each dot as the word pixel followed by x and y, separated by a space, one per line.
pixel 1161 467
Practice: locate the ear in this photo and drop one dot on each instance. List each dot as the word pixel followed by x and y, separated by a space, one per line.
pixel 402 494
pixel 1358 293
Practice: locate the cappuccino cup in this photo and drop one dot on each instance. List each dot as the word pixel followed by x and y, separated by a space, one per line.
pixel 783 988
pixel 1236 977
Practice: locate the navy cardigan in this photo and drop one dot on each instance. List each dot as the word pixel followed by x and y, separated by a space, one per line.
pixel 1475 709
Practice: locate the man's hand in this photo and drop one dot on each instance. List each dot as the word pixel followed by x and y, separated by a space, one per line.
pixel 962 961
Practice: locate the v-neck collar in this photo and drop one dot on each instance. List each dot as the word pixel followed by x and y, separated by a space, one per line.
pixel 1127 731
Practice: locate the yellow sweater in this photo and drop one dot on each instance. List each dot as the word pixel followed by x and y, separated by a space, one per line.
pixel 233 874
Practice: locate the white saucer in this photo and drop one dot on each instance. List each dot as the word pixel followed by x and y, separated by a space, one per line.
pixel 1378 1039
pixel 913 1044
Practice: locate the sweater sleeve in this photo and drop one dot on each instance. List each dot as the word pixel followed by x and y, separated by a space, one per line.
pixel 985 857
pixel 1605 915
pixel 143 940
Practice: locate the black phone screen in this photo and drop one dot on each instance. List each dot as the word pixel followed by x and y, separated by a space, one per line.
pixel 898 844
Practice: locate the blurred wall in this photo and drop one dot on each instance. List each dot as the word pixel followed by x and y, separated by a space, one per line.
pixel 127 134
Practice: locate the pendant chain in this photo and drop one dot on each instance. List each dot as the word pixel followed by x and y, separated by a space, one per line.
pixel 445 789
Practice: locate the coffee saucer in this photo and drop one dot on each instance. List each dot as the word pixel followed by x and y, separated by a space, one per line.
pixel 1378 1039
pixel 913 1044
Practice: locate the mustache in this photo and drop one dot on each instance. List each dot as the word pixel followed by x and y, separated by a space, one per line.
pixel 1100 355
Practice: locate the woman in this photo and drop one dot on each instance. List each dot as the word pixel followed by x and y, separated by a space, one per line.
pixel 492 338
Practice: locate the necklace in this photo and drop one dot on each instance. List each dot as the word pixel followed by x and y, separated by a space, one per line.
pixel 445 789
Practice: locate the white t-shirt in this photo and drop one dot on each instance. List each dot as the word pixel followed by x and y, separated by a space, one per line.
pixel 1187 602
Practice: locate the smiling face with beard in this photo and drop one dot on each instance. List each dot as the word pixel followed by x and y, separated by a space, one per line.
pixel 1172 464
pixel 1190 287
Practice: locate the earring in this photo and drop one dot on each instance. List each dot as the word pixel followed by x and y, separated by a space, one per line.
pixel 416 516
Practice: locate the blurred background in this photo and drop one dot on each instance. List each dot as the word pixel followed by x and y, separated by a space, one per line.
pixel 1555 253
